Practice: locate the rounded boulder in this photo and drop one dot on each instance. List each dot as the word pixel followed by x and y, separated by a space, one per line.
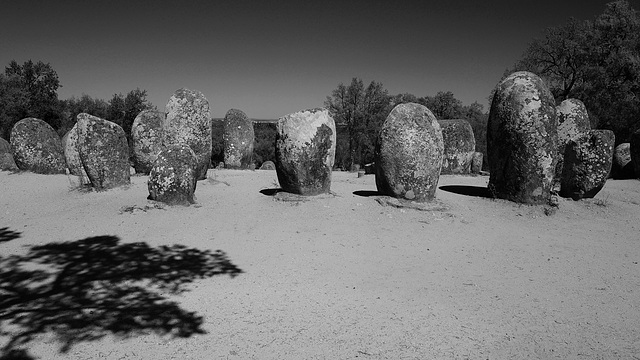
pixel 522 139
pixel 268 165
pixel 146 135
pixel 172 178
pixel 103 150
pixel 36 147
pixel 238 137
pixel 459 146
pixel 409 153
pixel 188 122
pixel 588 160
pixel 305 151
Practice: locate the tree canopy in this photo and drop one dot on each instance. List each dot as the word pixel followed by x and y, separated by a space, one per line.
pixel 596 61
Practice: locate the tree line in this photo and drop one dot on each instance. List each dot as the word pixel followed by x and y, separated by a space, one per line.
pixel 359 112
pixel 31 90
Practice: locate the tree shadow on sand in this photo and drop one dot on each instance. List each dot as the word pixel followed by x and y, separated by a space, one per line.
pixel 86 289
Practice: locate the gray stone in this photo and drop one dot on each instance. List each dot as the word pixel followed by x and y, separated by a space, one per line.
pixel 522 140
pixel 103 150
pixel 573 122
pixel 238 137
pixel 587 163
pixel 305 151
pixel 476 162
pixel 622 167
pixel 459 146
pixel 268 165
pixel 188 122
pixel 409 153
pixel 6 156
pixel 72 156
pixel 147 135
pixel 36 147
pixel 172 178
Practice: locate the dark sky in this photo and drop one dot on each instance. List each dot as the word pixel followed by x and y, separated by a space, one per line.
pixel 271 58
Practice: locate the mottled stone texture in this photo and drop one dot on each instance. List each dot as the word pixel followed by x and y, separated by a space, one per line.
pixel 147 135
pixel 36 147
pixel 587 163
pixel 104 152
pixel 522 139
pixel 634 149
pixel 72 156
pixel 409 153
pixel 622 167
pixel 305 151
pixel 476 162
pixel 573 122
pixel 238 137
pixel 268 165
pixel 459 146
pixel 188 122
pixel 6 156
pixel 173 179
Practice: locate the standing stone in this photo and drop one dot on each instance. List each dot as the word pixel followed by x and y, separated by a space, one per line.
pixel 587 163
pixel 634 149
pixel 146 135
pixel 188 122
pixel 268 165
pixel 103 150
pixel 6 156
pixel 305 151
pixel 573 122
pixel 172 178
pixel 522 139
pixel 409 153
pixel 238 137
pixel 459 146
pixel 476 162
pixel 622 167
pixel 37 147
pixel 72 156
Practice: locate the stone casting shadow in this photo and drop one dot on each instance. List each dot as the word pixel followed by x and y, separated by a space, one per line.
pixel 477 191
pixel 86 289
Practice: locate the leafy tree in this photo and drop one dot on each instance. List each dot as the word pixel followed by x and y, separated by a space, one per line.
pixel 14 101
pixel 84 104
pixel 597 62
pixel 360 111
pixel 444 105
pixel 40 83
pixel 123 110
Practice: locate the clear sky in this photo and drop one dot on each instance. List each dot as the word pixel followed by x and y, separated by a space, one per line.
pixel 271 58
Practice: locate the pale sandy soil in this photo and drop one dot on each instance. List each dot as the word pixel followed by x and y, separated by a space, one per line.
pixel 342 277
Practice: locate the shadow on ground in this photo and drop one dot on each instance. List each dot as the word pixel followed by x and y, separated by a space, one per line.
pixel 86 289
pixel 367 193
pixel 477 191
pixel 270 192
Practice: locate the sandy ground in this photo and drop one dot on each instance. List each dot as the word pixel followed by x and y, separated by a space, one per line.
pixel 341 276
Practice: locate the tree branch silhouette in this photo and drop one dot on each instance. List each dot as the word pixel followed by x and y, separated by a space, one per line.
pixel 83 290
